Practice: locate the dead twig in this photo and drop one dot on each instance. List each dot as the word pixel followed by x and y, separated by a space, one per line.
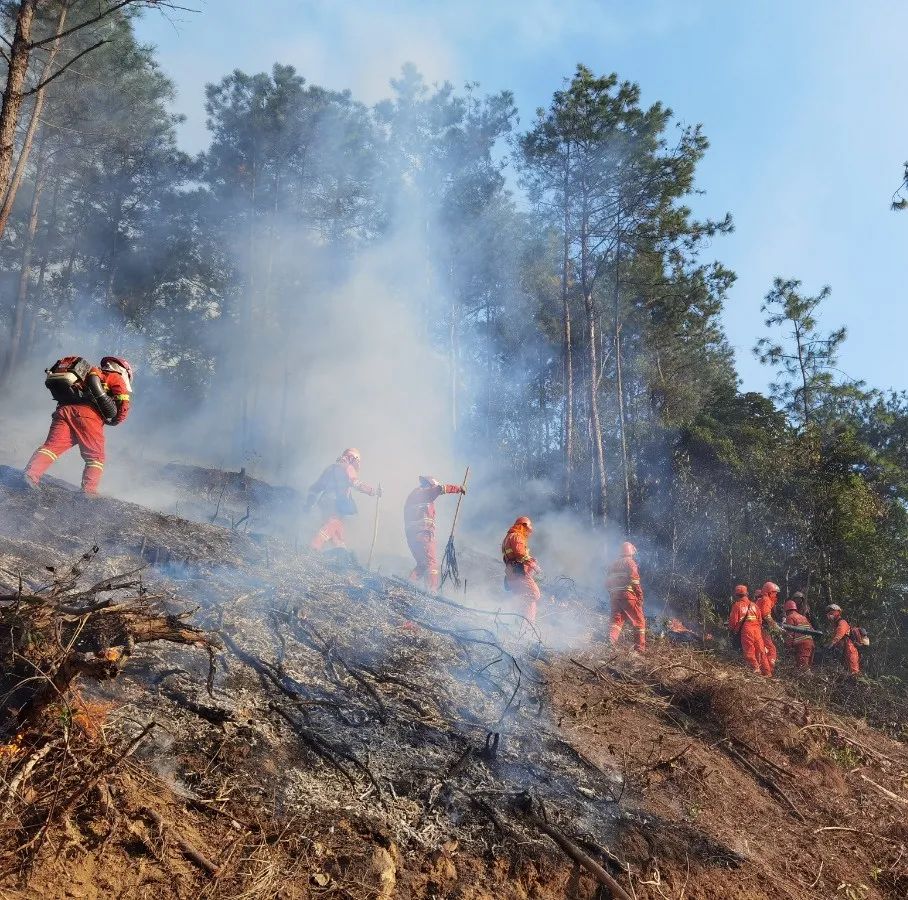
pixel 189 851
pixel 575 853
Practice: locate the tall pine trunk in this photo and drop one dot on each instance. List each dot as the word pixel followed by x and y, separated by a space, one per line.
pixel 25 270
pixel 619 386
pixel 11 107
pixel 599 486
pixel 567 342
pixel 19 172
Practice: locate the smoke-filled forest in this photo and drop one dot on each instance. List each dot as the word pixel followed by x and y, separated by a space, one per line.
pixel 353 327
pixel 434 280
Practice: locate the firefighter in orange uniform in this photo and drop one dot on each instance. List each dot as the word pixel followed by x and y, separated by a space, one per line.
pixel 419 524
pixel 800 646
pixel 768 597
pixel 841 637
pixel 519 566
pixel 332 492
pixel 101 398
pixel 745 620
pixel 626 595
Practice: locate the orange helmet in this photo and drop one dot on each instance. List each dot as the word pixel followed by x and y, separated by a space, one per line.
pixel 628 549
pixel 791 606
pixel 524 522
pixel 770 588
pixel 351 455
pixel 741 590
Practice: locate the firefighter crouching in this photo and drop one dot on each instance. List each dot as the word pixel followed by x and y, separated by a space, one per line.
pixel 88 398
pixel 626 596
pixel 332 493
pixel 419 524
pixel 519 566
pixel 800 646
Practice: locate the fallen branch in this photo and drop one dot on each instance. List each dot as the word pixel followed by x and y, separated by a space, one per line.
pixel 767 782
pixel 869 751
pixel 190 852
pixel 576 854
pixel 872 834
pixel 885 791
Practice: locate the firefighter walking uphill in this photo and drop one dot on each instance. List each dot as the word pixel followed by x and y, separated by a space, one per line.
pixel 332 493
pixel 520 568
pixel 88 398
pixel 626 595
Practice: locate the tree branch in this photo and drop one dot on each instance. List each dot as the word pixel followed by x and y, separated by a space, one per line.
pixel 103 14
pixel 62 69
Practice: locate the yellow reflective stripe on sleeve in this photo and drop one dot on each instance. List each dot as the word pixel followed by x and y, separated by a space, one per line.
pixel 49 453
pixel 94 464
pixel 121 396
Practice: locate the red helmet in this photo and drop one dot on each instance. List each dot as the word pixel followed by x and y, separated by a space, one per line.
pixel 741 590
pixel 628 549
pixel 352 456
pixel 791 606
pixel 523 522
pixel 770 587
pixel 117 363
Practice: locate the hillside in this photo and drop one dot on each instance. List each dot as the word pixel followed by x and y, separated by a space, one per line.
pixel 360 738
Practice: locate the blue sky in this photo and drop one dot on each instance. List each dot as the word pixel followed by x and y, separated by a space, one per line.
pixel 804 104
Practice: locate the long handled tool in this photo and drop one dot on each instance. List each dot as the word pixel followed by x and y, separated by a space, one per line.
pixel 374 527
pixel 449 563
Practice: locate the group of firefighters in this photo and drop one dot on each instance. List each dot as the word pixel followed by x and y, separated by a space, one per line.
pixel 90 397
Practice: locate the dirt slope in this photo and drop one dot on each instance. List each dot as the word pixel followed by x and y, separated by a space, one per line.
pixel 363 739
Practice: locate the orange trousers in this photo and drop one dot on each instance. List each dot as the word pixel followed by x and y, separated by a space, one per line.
pixel 425 552
pixel 331 532
pixel 851 659
pixel 752 648
pixel 524 586
pixel 803 655
pixel 626 607
pixel 76 424
pixel 772 653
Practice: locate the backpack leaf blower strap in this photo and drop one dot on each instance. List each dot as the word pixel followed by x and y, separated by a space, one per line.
pixel 73 379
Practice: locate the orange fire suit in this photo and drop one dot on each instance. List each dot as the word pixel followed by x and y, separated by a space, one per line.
pixel 419 524
pixel 851 659
pixel 333 494
pixel 519 567
pixel 626 595
pixel 80 424
pixel 801 646
pixel 746 620
pixel 767 605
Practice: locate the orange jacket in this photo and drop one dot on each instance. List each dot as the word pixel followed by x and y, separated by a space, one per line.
pixel 744 610
pixel 515 550
pixel 624 578
pixel 842 631
pixel 419 507
pixel 791 638
pixel 335 483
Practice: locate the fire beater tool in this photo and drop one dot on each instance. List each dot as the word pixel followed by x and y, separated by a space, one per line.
pixel 374 527
pixel 449 562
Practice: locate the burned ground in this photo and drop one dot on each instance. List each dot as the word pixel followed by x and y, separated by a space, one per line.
pixel 361 738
